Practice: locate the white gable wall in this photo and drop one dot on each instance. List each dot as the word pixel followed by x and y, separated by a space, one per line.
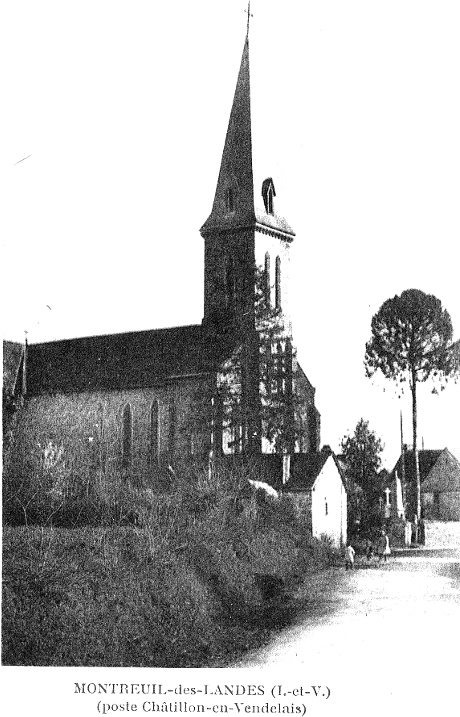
pixel 329 505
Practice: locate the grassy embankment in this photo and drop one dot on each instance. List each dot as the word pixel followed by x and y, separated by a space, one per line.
pixel 188 578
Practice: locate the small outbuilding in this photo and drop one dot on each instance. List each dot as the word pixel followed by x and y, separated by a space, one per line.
pixel 318 489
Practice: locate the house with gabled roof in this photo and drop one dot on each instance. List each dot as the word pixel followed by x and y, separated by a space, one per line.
pixel 318 489
pixel 440 488
pixel 439 483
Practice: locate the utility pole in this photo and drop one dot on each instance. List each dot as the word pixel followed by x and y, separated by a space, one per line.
pixel 403 464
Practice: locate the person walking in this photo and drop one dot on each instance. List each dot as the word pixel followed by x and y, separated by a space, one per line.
pixel 384 545
pixel 369 549
pixel 349 557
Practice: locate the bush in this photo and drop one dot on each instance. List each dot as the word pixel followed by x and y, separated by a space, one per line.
pixel 167 580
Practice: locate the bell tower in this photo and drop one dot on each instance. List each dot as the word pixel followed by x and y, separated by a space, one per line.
pixel 229 230
pixel 246 246
pixel 241 233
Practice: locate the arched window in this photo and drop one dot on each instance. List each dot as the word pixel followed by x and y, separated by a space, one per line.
pixel 172 428
pixel 127 447
pixel 102 444
pixel 278 283
pixel 230 200
pixel 234 428
pixel 277 369
pixel 267 280
pixel 154 432
pixel 230 282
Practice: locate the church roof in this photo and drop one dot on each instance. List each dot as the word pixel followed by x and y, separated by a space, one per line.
pixel 234 206
pixel 121 361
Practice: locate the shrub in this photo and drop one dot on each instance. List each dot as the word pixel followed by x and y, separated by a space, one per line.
pixel 168 580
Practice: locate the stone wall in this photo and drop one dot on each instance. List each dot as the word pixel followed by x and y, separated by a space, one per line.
pixel 442 534
pixel 441 505
pixel 302 505
pixel 400 533
pixel 85 430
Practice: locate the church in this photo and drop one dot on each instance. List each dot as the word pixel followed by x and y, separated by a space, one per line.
pixel 147 403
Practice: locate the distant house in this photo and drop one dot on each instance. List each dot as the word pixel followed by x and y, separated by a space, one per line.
pixel 439 480
pixel 455 350
pixel 317 487
pixel 441 488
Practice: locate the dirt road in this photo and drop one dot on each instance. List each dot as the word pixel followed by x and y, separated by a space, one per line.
pixel 393 627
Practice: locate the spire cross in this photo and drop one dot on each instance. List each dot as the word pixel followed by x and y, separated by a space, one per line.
pixel 249 13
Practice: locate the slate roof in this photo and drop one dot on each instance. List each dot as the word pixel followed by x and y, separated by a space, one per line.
pixel 301 376
pixel 426 461
pixel 306 467
pixel 121 361
pixel 236 163
pixel 12 357
pixel 445 474
pixel 343 466
pixel 236 171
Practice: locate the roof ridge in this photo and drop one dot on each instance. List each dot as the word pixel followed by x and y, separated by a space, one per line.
pixel 114 335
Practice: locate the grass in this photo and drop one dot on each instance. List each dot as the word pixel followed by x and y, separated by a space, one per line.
pixel 194 578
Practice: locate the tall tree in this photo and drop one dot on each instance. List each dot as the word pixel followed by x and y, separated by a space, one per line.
pixel 361 454
pixel 411 341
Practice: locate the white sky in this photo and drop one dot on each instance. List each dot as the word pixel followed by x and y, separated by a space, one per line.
pixel 123 108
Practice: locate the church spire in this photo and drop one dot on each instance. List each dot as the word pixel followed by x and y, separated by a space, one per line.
pixel 234 198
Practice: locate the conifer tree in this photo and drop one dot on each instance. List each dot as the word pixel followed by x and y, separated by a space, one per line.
pixel 411 341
